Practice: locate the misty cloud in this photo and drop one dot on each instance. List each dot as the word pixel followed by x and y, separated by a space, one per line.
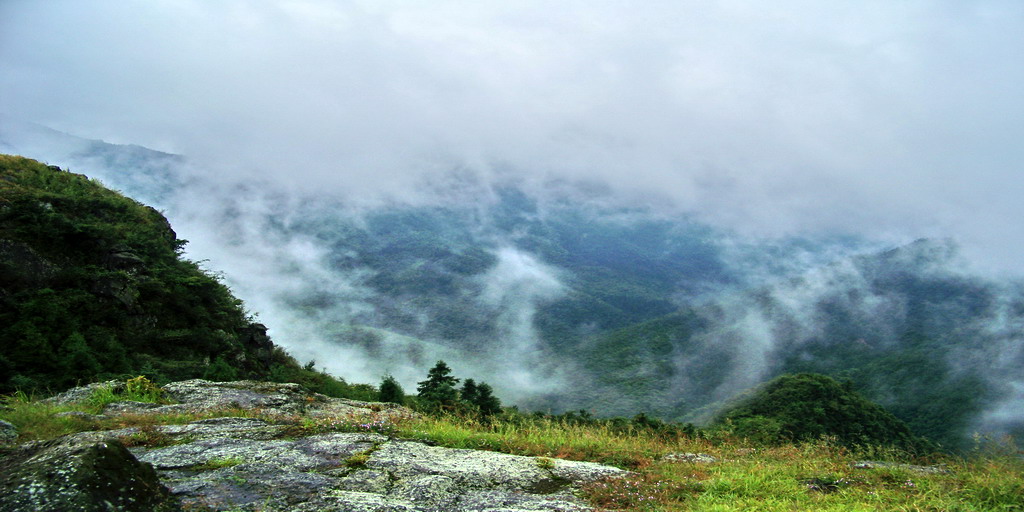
pixel 514 288
pixel 897 120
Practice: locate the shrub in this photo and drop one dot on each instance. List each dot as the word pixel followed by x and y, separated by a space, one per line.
pixel 391 391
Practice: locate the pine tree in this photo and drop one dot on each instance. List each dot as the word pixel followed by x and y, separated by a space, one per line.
pixel 391 391
pixel 470 392
pixel 439 388
pixel 486 402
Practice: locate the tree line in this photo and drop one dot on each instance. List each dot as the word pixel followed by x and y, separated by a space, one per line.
pixel 440 393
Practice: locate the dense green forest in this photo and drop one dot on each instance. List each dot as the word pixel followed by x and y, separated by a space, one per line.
pixel 93 285
pixel 805 407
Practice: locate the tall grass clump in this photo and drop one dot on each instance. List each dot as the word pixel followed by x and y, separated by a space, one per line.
pixel 138 389
pixel 547 437
pixel 35 420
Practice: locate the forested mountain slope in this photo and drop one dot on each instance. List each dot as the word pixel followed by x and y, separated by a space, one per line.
pixel 933 345
pixel 93 285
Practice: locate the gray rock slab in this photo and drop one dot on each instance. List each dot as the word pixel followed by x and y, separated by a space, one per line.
pixel 583 472
pixel 470 468
pixel 352 501
pixel 482 469
pixel 270 398
pixel 315 452
pixel 81 415
pixel 129 407
pixel 428 491
pixel 229 426
pixel 497 501
pixel 250 464
pixel 261 486
pixel 200 394
pixel 366 480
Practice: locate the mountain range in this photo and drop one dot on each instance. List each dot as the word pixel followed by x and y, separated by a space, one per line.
pixel 568 298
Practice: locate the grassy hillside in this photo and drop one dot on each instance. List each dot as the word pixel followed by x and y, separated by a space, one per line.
pixel 93 285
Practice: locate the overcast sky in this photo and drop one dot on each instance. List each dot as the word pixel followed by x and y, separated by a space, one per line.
pixel 893 119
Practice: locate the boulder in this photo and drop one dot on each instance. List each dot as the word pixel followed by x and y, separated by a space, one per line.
pixel 79 474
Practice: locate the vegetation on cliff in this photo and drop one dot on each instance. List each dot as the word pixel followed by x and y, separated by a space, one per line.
pixel 93 285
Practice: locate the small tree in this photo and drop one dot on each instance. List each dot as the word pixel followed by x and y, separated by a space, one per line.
pixel 391 391
pixel 486 402
pixel 438 390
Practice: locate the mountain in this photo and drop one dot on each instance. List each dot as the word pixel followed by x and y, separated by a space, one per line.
pixel 570 299
pixel 902 326
pixel 805 407
pixel 93 285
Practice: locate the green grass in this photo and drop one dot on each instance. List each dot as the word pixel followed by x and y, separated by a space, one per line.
pixel 543 437
pixel 358 460
pixel 138 389
pixel 36 420
pixel 820 478
pixel 808 476
pixel 218 463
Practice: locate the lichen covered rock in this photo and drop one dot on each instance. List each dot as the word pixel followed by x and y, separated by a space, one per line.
pixel 238 463
pixel 274 463
pixel 79 474
pixel 270 398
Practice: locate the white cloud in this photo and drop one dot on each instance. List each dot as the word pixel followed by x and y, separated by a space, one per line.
pixel 890 119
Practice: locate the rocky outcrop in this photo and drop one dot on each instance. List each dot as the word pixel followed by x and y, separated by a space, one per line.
pixel 79 473
pixel 244 463
pixel 268 398
pixel 275 463
pixel 22 265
